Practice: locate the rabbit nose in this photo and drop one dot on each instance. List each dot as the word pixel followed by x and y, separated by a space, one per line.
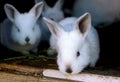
pixel 27 39
pixel 69 70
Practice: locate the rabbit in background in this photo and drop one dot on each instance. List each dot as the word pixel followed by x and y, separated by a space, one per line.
pixel 76 42
pixel 103 12
pixel 20 31
pixel 54 13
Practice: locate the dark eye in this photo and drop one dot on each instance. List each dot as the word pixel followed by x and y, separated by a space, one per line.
pixel 33 28
pixel 18 29
pixel 78 54
pixel 52 19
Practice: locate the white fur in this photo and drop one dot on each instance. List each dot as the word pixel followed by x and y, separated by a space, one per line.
pixel 70 36
pixel 55 13
pixel 19 26
pixel 102 11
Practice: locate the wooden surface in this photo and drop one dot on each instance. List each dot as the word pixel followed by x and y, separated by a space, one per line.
pixel 84 77
pixel 22 69
pixel 18 73
pixel 30 69
pixel 9 77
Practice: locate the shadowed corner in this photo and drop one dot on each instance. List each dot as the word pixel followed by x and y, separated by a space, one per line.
pixel 109 53
pixel 7 53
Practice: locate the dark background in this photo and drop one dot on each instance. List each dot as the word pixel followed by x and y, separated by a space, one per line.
pixel 109 36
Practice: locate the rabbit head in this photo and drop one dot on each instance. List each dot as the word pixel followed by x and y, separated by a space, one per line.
pixel 24 28
pixel 72 48
pixel 54 13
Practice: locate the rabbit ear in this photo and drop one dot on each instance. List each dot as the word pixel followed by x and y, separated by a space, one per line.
pixel 59 4
pixel 83 23
pixel 45 4
pixel 46 7
pixel 37 1
pixel 37 9
pixel 10 11
pixel 54 28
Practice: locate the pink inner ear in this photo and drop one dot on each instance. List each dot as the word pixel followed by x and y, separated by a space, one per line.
pixel 11 11
pixel 78 54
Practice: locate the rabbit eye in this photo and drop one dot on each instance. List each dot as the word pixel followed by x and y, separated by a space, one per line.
pixel 78 54
pixel 18 29
pixel 52 19
pixel 33 28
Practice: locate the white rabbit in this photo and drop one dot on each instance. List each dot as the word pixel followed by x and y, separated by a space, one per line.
pixel 54 13
pixel 104 12
pixel 75 41
pixel 19 31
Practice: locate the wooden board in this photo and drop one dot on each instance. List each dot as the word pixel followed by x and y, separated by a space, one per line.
pixel 84 77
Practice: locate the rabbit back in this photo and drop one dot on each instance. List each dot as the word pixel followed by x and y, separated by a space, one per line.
pixel 100 11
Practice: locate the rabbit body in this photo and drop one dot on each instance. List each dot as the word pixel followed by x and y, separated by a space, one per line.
pixel 76 43
pixel 19 31
pixel 103 12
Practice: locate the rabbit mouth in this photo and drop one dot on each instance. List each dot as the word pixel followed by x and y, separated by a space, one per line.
pixel 22 46
pixel 28 44
pixel 25 47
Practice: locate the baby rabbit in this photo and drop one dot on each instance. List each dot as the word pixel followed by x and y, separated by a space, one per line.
pixel 103 12
pixel 76 42
pixel 20 32
pixel 54 13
